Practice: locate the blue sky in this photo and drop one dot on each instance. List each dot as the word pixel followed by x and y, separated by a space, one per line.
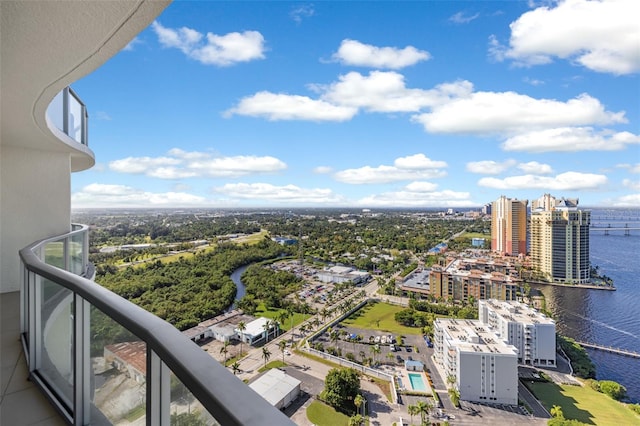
pixel 368 104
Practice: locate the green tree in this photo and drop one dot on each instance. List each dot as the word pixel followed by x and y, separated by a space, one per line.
pixel 355 420
pixel 265 355
pixel 423 408
pixel 413 411
pixel 225 350
pixel 342 385
pixel 613 389
pixel 359 402
pixel 235 367
pixel 242 326
pixel 556 411
pixel 282 344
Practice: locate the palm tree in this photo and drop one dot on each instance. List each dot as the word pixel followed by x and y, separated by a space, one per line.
pixel 556 411
pixel 454 395
pixel 224 350
pixel 282 344
pixel 235 367
pixel 266 326
pixel 423 409
pixel 265 355
pixel 283 316
pixel 375 351
pixel 451 380
pixel 355 420
pixel 359 402
pixel 242 327
pixel 413 410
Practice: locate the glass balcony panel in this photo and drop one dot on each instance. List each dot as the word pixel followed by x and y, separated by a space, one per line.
pixel 56 360
pixel 55 111
pixel 54 254
pixel 186 410
pixel 76 254
pixel 118 375
pixel 76 118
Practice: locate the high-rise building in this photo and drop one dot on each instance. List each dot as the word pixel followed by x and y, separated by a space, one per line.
pixel 509 226
pixel 560 240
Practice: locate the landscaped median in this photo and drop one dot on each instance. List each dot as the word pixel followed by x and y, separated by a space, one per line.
pixel 584 404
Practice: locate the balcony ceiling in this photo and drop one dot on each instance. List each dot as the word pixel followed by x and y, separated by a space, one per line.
pixel 47 45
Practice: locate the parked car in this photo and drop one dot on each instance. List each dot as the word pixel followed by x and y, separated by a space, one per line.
pixel 392 347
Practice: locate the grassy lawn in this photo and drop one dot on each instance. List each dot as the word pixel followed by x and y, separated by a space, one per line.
pixel 321 414
pixel 272 313
pixel 380 316
pixel 583 404
pixel 272 364
pixel 251 239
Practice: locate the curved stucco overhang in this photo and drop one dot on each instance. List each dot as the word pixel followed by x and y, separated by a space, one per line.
pixel 46 46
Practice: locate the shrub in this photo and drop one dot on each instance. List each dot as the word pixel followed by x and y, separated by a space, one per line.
pixel 613 389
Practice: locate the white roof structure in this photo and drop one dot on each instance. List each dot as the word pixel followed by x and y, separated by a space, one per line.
pixel 275 385
pixel 255 327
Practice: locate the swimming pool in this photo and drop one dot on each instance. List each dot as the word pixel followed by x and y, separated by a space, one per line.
pixel 417 384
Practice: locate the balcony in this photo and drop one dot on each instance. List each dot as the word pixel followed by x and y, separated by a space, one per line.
pixel 102 360
pixel 68 114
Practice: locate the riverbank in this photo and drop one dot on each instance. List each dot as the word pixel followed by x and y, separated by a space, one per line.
pixel 585 286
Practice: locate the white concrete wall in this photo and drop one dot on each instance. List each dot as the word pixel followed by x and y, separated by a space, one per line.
pixel 35 203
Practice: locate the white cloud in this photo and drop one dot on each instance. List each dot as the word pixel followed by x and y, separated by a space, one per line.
pixel 603 36
pixel 103 195
pixel 533 81
pixel 276 107
pixel 462 18
pixel 385 91
pixel 301 12
pixel 418 194
pixel 533 167
pixel 632 200
pixel 569 181
pixel 355 53
pixel 131 45
pixel 421 186
pixel 414 167
pixel 323 170
pixel 570 139
pixel 490 167
pixel 289 194
pixel 632 168
pixel 510 112
pixel 212 49
pixel 101 115
pixel 418 162
pixel 631 184
pixel 181 164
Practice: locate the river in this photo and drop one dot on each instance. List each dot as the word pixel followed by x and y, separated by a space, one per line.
pixel 610 318
pixel 235 277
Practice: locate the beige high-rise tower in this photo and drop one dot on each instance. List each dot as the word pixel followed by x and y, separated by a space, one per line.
pixel 509 226
pixel 560 239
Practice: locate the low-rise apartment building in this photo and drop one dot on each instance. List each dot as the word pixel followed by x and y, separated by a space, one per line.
pixel 531 332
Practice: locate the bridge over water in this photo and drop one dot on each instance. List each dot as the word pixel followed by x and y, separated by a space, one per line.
pixel 615 227
pixel 619 351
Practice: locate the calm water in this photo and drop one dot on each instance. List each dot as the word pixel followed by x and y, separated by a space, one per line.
pixel 610 318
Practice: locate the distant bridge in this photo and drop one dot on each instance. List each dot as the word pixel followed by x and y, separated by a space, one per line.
pixel 624 352
pixel 616 227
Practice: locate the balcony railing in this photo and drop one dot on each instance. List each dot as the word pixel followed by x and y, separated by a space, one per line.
pixel 69 114
pixel 102 360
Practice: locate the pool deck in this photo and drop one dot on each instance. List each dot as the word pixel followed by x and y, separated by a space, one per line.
pixel 406 383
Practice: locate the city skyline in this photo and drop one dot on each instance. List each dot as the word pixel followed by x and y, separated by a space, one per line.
pixel 371 105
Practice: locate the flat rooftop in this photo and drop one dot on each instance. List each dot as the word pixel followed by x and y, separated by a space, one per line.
pixel 517 312
pixel 474 336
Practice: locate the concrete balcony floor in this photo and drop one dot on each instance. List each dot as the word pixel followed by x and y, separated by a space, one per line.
pixel 21 403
